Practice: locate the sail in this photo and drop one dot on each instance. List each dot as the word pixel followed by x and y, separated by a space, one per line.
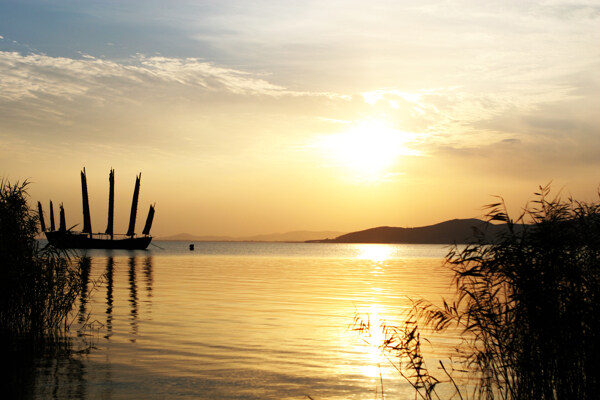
pixel 52 226
pixel 41 216
pixel 87 223
pixel 111 203
pixel 63 221
pixel 149 220
pixel 134 203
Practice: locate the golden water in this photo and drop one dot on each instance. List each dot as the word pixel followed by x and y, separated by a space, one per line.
pixel 245 324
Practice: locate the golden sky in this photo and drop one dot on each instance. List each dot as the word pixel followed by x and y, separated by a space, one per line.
pixel 260 117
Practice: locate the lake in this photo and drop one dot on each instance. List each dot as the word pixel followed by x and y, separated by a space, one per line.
pixel 243 321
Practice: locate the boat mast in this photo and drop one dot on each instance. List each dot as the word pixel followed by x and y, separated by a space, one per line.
pixel 41 215
pixel 149 220
pixel 63 222
pixel 87 223
pixel 52 226
pixel 134 203
pixel 111 203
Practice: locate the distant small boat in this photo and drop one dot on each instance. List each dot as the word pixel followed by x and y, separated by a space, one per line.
pixel 64 238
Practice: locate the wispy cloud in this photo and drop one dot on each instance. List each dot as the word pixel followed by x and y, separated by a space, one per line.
pixel 35 75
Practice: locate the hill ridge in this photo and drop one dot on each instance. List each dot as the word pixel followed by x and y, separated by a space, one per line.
pixel 447 232
pixel 291 236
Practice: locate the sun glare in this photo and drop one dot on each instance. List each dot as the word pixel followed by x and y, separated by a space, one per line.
pixel 369 150
pixel 373 340
pixel 374 252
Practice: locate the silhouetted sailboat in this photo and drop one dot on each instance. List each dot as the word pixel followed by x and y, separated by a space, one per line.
pixel 66 238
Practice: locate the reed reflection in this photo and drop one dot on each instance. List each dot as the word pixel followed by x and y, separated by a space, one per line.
pixel 49 370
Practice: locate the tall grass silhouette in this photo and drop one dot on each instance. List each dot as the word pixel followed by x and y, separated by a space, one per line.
pixel 527 307
pixel 38 287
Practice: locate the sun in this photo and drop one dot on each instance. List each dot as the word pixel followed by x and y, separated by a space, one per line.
pixel 368 149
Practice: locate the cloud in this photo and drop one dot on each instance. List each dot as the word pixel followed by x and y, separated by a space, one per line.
pixel 192 106
pixel 161 105
pixel 36 75
pixel 568 10
pixel 460 115
pixel 43 91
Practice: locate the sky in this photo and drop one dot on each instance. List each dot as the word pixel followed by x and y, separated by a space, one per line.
pixel 271 116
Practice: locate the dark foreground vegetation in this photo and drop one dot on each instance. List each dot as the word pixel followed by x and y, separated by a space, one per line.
pixel 527 308
pixel 38 288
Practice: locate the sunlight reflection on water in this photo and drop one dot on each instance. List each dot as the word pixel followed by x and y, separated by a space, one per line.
pixel 374 252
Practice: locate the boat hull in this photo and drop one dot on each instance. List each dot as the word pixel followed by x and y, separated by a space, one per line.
pixel 75 240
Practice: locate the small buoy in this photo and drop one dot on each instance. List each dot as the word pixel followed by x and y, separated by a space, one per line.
pixel 192 247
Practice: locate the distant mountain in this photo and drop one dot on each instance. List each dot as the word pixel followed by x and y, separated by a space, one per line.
pixel 454 231
pixel 191 238
pixel 294 236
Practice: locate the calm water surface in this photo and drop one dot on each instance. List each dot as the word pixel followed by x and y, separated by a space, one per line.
pixel 243 321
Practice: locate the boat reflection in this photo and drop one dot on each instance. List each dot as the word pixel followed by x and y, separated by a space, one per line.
pixel 133 299
pixel 86 265
pixel 148 276
pixel 110 266
pixel 109 280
